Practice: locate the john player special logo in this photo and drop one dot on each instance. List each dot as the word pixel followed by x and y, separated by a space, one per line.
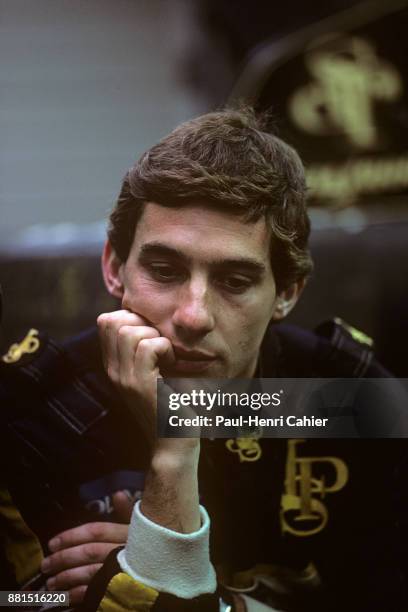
pixel 303 512
pixel 347 81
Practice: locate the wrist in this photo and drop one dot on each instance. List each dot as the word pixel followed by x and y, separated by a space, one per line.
pixel 170 457
pixel 168 561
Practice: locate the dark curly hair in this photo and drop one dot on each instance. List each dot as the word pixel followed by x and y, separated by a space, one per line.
pixel 224 160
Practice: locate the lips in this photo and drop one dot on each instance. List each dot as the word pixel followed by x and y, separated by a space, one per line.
pixel 192 361
pixel 186 355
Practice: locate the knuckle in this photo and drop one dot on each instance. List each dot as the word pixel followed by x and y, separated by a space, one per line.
pixel 51 563
pixel 91 552
pixel 123 331
pixel 91 571
pixel 65 557
pixel 111 372
pixel 104 320
pixel 128 332
pixel 163 343
pixel 60 580
pixel 96 531
pixel 144 345
pixel 59 559
pixel 101 320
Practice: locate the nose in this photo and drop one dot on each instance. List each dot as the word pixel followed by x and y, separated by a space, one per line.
pixel 193 315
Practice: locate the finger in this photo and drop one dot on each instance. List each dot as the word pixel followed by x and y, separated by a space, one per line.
pixel 122 506
pixel 76 595
pixel 152 351
pixel 89 532
pixel 85 554
pixel 148 355
pixel 142 385
pixel 122 317
pixel 76 576
pixel 127 343
pixel 108 326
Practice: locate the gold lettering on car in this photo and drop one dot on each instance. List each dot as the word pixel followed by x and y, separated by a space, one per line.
pixel 357 177
pixel 30 344
pixel 248 449
pixel 303 512
pixel 348 79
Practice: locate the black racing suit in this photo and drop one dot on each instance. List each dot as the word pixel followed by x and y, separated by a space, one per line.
pixel 69 444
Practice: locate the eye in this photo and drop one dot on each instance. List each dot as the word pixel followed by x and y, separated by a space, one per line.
pixel 163 272
pixel 236 284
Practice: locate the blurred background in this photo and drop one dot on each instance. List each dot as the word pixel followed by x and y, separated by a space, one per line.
pixel 87 85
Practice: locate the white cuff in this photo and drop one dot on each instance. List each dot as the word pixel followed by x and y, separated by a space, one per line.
pixel 166 560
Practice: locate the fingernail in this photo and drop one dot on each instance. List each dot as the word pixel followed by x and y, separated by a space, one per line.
pixel 54 544
pixel 51 584
pixel 45 565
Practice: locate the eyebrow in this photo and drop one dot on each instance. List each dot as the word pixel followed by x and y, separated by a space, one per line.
pixel 151 249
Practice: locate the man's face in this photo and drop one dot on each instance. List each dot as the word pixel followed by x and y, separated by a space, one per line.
pixel 204 280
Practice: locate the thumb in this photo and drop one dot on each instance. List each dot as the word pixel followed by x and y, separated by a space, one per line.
pixel 122 506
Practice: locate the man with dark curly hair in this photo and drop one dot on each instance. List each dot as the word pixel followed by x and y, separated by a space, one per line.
pixel 207 252
pixel 207 244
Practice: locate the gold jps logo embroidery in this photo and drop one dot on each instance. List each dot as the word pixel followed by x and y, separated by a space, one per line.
pixel 348 80
pixel 248 449
pixel 30 344
pixel 302 511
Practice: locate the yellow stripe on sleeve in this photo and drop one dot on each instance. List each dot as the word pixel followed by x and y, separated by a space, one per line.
pixel 126 593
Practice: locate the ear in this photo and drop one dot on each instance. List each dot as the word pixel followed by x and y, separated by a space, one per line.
pixel 286 299
pixel 112 271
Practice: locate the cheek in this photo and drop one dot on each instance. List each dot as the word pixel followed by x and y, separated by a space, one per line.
pixel 253 323
pixel 251 336
pixel 143 297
